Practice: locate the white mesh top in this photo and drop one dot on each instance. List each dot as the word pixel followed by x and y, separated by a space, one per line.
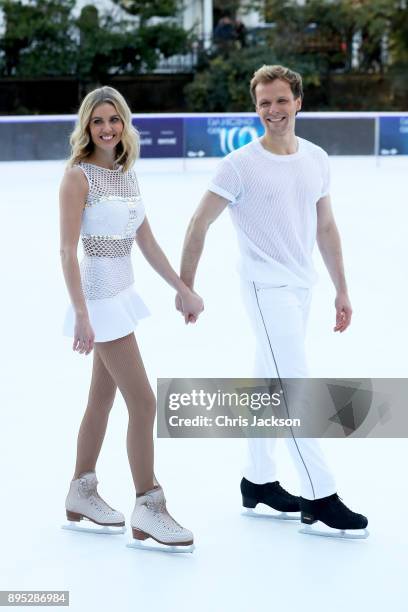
pixel 273 206
pixel 113 212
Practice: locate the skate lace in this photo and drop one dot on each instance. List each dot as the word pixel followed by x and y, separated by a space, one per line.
pixel 160 512
pixel 87 488
pixel 340 502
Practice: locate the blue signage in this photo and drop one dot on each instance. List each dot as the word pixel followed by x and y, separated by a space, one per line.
pixel 160 137
pixel 393 136
pixel 215 136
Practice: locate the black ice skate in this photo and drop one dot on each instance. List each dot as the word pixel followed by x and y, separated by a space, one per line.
pixel 334 514
pixel 271 494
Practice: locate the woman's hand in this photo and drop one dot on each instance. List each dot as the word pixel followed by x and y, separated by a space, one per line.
pixel 343 312
pixel 84 336
pixel 190 305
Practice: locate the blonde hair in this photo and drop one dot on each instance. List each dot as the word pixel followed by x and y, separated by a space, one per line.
pixel 267 74
pixel 128 149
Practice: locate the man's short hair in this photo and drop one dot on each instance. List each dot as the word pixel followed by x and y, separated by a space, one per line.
pixel 267 74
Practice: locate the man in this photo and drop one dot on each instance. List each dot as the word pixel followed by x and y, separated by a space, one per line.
pixel 277 191
pixel 225 35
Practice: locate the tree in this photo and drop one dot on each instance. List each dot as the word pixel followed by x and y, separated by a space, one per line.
pixel 42 38
pixel 38 38
pixel 105 46
pixel 224 85
pixel 145 9
pixel 399 35
pixel 330 27
pixel 110 46
pixel 160 38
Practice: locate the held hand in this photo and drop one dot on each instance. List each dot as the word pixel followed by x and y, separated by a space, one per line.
pixel 179 307
pixel 178 303
pixel 84 336
pixel 343 312
pixel 190 305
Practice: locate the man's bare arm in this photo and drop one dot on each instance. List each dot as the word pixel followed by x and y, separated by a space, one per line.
pixel 328 240
pixel 210 207
pixel 329 243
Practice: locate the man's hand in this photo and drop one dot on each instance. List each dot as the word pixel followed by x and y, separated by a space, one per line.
pixel 343 312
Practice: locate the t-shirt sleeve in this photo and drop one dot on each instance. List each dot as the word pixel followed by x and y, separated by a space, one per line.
pixel 226 182
pixel 325 174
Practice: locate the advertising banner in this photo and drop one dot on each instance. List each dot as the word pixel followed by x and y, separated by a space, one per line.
pixel 216 136
pixel 394 135
pixel 339 135
pixel 25 140
pixel 160 136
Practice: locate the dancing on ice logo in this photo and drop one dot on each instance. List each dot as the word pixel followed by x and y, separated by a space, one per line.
pixel 234 138
pixel 218 136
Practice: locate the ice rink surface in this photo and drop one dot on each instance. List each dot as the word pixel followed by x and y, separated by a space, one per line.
pixel 240 564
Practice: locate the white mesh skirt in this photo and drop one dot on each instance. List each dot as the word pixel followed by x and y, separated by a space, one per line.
pixel 112 317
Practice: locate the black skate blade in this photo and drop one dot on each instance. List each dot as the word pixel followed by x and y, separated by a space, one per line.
pixel 268 513
pixel 94 528
pixel 158 547
pixel 331 532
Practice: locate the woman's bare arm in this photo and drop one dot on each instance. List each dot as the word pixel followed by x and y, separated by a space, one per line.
pixel 192 303
pixel 73 193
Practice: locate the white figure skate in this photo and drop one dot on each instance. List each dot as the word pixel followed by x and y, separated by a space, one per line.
pixel 150 519
pixel 84 502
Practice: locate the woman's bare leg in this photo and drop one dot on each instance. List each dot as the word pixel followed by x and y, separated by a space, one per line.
pixel 123 361
pixel 95 420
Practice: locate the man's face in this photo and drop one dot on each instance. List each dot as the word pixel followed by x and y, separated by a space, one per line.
pixel 277 107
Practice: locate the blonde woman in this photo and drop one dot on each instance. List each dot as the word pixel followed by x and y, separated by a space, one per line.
pixel 100 201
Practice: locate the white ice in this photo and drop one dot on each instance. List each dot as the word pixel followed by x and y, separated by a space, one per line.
pixel 240 564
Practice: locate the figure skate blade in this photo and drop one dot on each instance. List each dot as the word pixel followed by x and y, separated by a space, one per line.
pixel 159 547
pixel 94 528
pixel 268 513
pixel 331 532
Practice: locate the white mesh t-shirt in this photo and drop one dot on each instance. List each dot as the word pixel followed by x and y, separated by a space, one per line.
pixel 273 206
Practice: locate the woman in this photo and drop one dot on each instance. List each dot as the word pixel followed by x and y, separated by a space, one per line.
pixel 100 200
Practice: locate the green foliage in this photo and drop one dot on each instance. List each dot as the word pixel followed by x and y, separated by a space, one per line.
pixel 120 48
pixel 345 18
pixel 224 85
pixel 145 9
pixel 169 39
pixel 337 21
pixel 38 38
pixel 42 38
pixel 105 47
pixel 399 38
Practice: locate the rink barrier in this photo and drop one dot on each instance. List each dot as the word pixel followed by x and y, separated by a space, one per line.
pixel 198 135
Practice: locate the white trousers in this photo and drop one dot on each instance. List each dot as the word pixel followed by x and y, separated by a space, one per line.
pixel 279 316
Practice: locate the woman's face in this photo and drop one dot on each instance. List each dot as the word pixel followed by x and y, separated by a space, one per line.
pixel 105 126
